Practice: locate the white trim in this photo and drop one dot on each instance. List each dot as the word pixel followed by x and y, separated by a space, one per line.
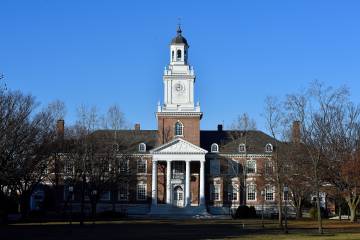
pixel 216 146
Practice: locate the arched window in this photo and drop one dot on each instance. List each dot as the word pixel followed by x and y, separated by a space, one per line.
pixel 142 147
pixel 242 148
pixel 172 55
pixel 268 148
pixel 214 147
pixel 179 128
pixel 178 55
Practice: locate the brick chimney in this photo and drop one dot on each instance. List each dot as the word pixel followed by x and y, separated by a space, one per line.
pixel 60 128
pixel 220 127
pixel 296 134
pixel 137 127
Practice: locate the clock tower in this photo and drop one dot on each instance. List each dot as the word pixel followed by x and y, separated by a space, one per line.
pixel 178 116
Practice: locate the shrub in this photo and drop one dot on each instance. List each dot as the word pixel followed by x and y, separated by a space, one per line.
pixel 314 214
pixel 244 211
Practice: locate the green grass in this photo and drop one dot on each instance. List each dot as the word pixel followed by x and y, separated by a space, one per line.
pixel 180 229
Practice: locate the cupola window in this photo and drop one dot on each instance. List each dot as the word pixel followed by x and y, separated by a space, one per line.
pixel 178 55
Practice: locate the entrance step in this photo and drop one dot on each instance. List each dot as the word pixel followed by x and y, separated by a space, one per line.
pixel 170 211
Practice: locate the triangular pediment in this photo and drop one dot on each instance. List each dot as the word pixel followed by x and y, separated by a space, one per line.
pixel 178 146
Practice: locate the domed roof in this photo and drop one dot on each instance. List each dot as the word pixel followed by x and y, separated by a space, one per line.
pixel 179 39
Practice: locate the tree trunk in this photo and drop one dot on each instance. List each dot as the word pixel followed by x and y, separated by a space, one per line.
pixel 318 201
pixel 340 212
pixel 352 208
pixel 299 210
pixel 280 206
pixel 24 204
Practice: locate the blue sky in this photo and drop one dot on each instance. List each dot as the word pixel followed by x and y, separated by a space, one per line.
pixel 105 52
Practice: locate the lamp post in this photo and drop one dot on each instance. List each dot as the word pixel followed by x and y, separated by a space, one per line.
pixel 93 193
pixel 71 191
pixel 262 208
pixel 286 192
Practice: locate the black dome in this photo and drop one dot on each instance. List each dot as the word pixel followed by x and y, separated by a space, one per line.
pixel 179 39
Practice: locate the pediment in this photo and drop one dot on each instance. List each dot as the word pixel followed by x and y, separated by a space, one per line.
pixel 178 146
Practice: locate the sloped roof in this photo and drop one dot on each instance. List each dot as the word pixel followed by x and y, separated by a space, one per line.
pixel 130 138
pixel 229 141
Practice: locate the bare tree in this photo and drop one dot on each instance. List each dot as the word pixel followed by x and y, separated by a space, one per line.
pixel 243 122
pixel 274 117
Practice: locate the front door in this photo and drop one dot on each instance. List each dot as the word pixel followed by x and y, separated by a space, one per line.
pixel 178 197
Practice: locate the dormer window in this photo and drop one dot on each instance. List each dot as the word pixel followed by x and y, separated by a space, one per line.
pixel 268 148
pixel 214 147
pixel 179 129
pixel 242 148
pixel 142 147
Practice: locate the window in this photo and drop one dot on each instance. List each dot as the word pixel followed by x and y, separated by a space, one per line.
pixel 214 167
pixel 178 55
pixel 124 166
pixel 268 167
pixel 178 169
pixel 141 166
pixel 123 192
pixel 141 192
pixel 233 167
pixel 233 192
pixel 69 192
pixel 214 147
pixel 105 196
pixel 179 127
pixel 215 192
pixel 251 192
pixel 142 147
pixel 69 167
pixel 269 193
pixel 268 148
pixel 172 55
pixel 242 148
pixel 250 166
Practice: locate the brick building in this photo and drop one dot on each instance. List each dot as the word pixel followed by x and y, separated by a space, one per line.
pixel 196 171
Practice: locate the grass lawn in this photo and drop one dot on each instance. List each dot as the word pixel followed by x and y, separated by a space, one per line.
pixel 179 229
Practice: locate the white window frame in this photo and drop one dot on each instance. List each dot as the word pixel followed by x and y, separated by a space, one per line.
pixel 216 146
pixel 123 168
pixel 268 167
pixel 233 167
pixel 233 190
pixel 269 145
pixel 123 193
pixel 178 123
pixel 248 162
pixel 269 193
pixel 215 167
pixel 240 146
pixel 141 163
pixel 215 192
pixel 142 147
pixel 252 187
pixel 142 187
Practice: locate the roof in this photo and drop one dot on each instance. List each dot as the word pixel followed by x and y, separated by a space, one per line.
pixel 179 39
pixel 130 139
pixel 229 141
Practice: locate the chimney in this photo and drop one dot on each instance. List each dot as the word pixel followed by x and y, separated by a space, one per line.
pixel 137 127
pixel 296 132
pixel 220 127
pixel 60 127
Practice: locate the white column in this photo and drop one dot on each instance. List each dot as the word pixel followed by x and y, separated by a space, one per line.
pixel 154 183
pixel 168 182
pixel 202 183
pixel 187 184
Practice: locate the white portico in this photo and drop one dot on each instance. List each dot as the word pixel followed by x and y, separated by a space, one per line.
pixel 178 155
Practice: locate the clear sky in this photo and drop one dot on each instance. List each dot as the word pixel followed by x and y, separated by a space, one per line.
pixel 106 52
